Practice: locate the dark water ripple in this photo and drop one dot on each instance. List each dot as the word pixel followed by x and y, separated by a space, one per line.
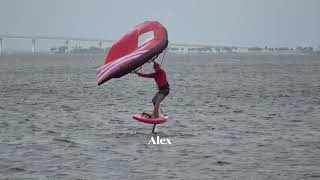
pixel 232 116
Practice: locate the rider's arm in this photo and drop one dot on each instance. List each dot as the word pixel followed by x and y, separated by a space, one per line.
pixel 152 75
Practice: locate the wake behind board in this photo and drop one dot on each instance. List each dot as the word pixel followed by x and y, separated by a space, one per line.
pixel 145 119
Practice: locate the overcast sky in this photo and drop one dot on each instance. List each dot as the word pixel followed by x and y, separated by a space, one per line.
pixel 225 22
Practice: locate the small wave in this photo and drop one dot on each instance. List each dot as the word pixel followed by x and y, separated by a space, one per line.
pixel 4 124
pixel 267 117
pixel 238 111
pixel 67 108
pixel 16 169
pixel 311 175
pixel 221 163
pixel 71 143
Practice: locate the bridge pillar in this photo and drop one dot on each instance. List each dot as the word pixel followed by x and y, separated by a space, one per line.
pixel 33 49
pixel 100 44
pixel 67 46
pixel 1 46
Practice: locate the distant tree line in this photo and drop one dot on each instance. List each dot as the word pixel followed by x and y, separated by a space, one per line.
pixel 97 50
pixel 282 49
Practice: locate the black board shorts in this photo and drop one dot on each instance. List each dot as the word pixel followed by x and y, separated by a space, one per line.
pixel 160 95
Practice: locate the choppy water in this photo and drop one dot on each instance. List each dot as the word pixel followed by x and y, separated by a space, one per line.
pixel 231 117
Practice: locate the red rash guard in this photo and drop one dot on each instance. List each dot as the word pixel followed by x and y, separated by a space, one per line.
pixel 160 77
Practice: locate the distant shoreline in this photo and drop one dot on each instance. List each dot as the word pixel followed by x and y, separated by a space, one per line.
pixel 185 53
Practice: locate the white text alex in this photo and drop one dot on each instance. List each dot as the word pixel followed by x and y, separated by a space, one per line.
pixel 159 140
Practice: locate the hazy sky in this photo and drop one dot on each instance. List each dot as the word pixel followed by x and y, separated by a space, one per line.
pixel 224 22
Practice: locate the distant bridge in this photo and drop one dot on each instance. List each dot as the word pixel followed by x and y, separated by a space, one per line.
pixel 68 39
pixel 194 45
pixel 61 38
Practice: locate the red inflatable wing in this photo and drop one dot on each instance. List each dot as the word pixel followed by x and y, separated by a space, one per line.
pixel 133 50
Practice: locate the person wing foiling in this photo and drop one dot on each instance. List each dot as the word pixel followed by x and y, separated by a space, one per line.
pixel 161 80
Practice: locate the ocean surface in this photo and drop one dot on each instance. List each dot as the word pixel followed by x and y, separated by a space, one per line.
pixel 231 116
